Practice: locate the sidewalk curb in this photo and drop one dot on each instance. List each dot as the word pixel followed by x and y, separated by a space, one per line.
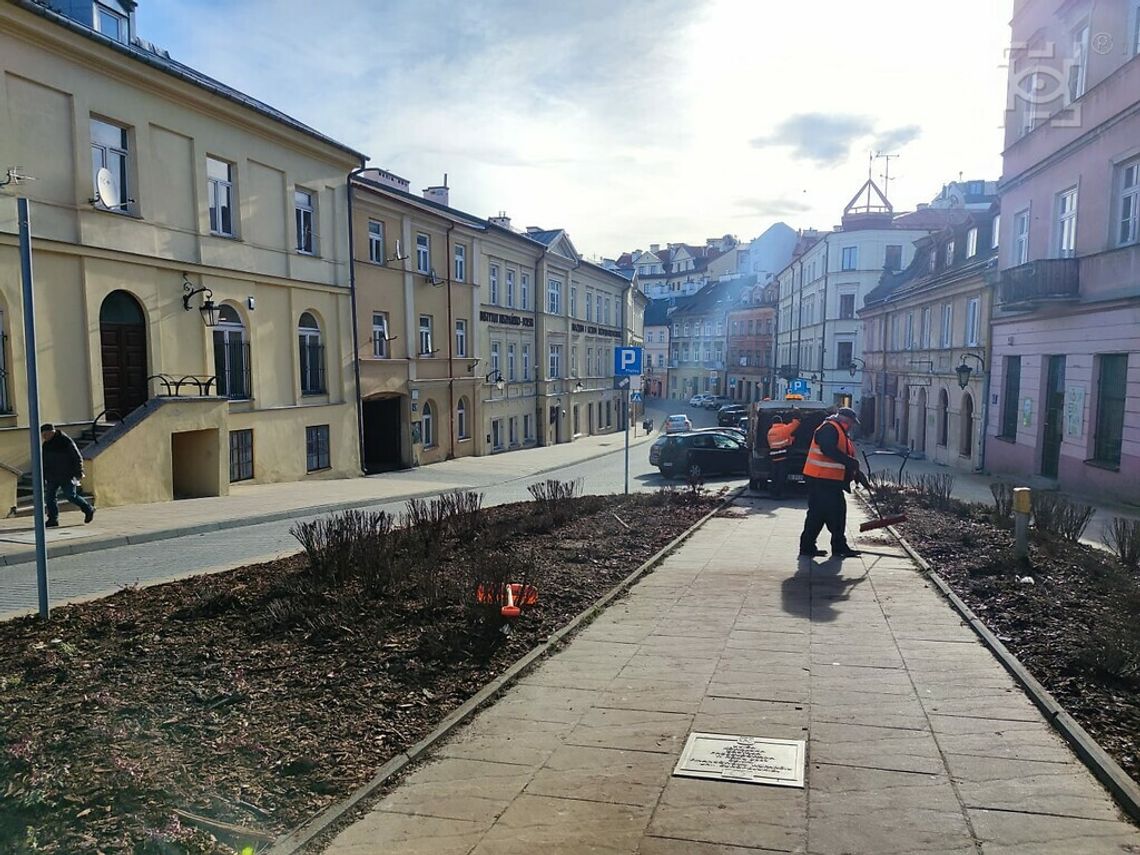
pixel 295 841
pixel 57 551
pixel 1125 790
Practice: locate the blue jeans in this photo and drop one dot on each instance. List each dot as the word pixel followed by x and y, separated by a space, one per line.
pixel 70 493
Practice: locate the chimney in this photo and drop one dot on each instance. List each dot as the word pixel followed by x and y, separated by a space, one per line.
pixel 388 179
pixel 438 194
pixel 532 229
pixel 502 220
pixel 654 248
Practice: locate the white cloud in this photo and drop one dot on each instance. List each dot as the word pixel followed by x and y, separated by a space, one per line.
pixel 624 122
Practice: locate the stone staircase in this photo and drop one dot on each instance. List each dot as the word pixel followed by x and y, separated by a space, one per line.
pixel 90 436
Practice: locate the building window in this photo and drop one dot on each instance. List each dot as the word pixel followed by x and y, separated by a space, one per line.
pixel 497 434
pixel 1128 230
pixel 317 448
pixel 924 333
pixel 996 231
pixel 933 258
pixel 231 355
pixel 461 337
pixel 526 362
pixel 589 361
pixel 1078 71
pixel 972 242
pixel 846 307
pixel 555 362
pixel 110 150
pixel 1011 394
pixel 554 297
pixel 513 427
pixel 495 368
pixel 950 253
pixel 425 336
pixel 220 196
pixel 947 325
pixel 609 316
pixel 966 440
pixel 598 308
pixel 305 215
pixel 850 259
pixel 1067 223
pixel 460 263
pixel 427 426
pixel 112 24
pixel 1021 237
pixel 241 455
pixel 589 305
pixel 312 356
pixel 909 339
pixel 893 258
pixel 844 351
pixel 461 419
pixel 376 242
pixel 573 301
pixel 510 289
pixel 493 282
pixel 973 310
pixel 528 433
pixel 511 362
pixel 423 253
pixel 524 291
pixel 1112 383
pixel 380 335
pixel 943 418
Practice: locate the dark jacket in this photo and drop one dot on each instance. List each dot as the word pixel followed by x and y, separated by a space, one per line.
pixel 62 461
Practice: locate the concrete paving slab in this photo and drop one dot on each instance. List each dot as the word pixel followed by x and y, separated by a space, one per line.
pixel 381 831
pixel 636 730
pixel 450 788
pixel 1016 833
pixel 603 774
pixel 543 824
pixel 884 748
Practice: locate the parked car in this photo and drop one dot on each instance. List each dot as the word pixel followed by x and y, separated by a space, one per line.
pixel 655 448
pixel 730 414
pixel 729 430
pixel 696 455
pixel 715 402
pixel 810 414
pixel 678 424
pixel 698 400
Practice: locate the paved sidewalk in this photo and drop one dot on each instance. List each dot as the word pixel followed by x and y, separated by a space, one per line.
pixel 248 504
pixel 975 487
pixel 918 740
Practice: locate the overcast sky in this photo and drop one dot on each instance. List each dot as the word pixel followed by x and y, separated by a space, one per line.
pixel 625 122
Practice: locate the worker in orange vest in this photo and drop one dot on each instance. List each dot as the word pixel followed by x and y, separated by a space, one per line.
pixel 780 437
pixel 830 468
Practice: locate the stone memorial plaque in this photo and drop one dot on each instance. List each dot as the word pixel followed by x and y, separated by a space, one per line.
pixel 751 759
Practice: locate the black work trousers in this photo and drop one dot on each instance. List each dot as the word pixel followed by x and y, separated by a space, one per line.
pixel 827 506
pixel 779 473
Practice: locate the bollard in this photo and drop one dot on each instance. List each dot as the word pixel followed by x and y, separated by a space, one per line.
pixel 1021 505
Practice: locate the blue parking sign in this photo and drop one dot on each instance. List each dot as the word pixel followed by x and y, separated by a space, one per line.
pixel 799 386
pixel 627 361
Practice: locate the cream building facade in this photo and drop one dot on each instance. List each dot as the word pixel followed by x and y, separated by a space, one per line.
pixel 218 192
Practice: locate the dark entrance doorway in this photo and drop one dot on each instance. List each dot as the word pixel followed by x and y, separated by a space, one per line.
pixel 1054 417
pixel 382 435
pixel 122 341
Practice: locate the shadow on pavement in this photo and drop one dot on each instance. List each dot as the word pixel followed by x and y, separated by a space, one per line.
pixel 816 587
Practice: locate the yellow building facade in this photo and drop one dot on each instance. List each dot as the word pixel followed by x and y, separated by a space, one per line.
pixel 215 192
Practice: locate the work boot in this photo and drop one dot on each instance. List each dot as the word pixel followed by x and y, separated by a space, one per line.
pixel 90 515
pixel 51 524
pixel 815 553
pixel 845 552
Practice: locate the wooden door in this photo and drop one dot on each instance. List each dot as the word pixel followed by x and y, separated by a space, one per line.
pixel 1053 431
pixel 122 338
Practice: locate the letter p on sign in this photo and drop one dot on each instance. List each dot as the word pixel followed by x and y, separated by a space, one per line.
pixel 627 361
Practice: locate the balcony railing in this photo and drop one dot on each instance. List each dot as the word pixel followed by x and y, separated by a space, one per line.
pixel 1047 280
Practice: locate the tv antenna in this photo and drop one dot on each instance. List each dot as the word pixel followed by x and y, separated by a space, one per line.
pixel 107 191
pixel 886 176
pixel 432 279
pixel 15 176
pixel 399 256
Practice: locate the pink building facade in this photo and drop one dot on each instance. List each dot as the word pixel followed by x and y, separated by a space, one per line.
pixel 1065 358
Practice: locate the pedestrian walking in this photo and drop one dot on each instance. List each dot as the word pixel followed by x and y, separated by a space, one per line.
pixel 63 470
pixel 780 437
pixel 830 468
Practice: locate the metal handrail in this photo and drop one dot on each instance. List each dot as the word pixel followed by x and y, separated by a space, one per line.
pixel 95 422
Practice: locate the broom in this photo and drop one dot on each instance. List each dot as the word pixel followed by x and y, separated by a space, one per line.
pixel 882 521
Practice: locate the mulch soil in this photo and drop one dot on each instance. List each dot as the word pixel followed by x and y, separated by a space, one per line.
pixel 258 699
pixel 1071 615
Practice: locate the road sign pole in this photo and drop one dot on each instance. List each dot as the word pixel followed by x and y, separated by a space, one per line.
pixel 627 417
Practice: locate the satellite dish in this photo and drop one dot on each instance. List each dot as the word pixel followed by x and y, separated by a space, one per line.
pixel 106 191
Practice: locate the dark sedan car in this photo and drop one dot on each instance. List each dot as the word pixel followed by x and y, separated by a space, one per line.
pixel 695 455
pixel 729 415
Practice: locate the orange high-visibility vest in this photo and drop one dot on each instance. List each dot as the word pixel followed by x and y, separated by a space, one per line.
pixel 819 465
pixel 780 438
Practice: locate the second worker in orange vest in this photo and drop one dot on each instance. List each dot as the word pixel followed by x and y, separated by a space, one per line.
pixel 830 468
pixel 780 438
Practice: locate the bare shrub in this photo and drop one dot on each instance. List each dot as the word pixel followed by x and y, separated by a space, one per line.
pixel 886 492
pixel 351 544
pixel 554 498
pixel 489 574
pixel 1003 503
pixel 1123 537
pixel 935 490
pixel 1055 514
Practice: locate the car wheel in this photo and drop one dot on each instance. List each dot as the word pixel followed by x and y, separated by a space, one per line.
pixel 753 484
pixel 668 476
pixel 695 471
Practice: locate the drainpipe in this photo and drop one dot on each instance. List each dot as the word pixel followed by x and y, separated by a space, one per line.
pixel 823 333
pixel 447 260
pixel 800 321
pixel 355 324
pixel 985 414
pixel 541 421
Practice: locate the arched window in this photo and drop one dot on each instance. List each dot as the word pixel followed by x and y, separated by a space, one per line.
pixel 461 419
pixel 312 356
pixel 943 417
pixel 967 437
pixel 427 426
pixel 231 355
pixel 5 392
